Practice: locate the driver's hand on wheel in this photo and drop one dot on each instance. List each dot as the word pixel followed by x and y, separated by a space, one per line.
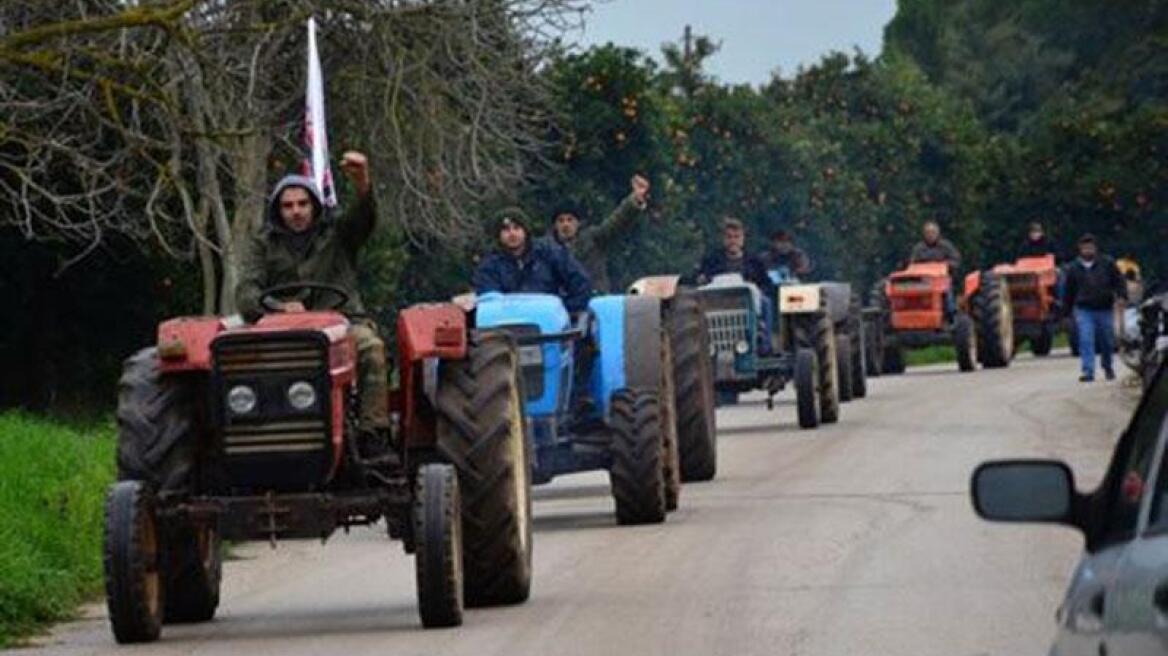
pixel 293 306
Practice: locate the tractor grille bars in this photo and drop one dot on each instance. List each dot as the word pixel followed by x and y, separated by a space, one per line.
pixel 263 357
pixel 727 328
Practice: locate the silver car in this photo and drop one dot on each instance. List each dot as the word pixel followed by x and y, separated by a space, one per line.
pixel 1117 603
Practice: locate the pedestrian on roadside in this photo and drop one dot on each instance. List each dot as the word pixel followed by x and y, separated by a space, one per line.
pixel 1095 289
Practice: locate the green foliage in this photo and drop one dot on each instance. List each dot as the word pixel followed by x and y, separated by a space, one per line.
pixel 53 481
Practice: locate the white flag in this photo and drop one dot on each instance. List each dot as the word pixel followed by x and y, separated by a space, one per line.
pixel 315 131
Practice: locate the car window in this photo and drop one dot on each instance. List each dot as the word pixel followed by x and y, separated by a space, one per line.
pixel 1131 480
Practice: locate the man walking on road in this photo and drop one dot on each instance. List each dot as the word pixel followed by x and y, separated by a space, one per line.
pixel 589 243
pixel 1094 289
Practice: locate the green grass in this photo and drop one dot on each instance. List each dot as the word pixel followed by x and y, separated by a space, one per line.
pixel 53 480
pixel 929 355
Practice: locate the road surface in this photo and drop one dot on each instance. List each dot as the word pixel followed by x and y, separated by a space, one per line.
pixel 853 540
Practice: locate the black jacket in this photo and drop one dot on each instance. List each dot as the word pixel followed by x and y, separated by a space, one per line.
pixel 1094 288
pixel 1038 248
pixel 542 269
pixel 751 268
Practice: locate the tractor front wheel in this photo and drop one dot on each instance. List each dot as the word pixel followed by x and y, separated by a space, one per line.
pixel 482 432
pixel 806 386
pixel 965 342
pixel 1040 346
pixel 843 364
pixel 637 474
pixel 438 560
pixel 133 577
pixel 994 322
pixel 194 569
pixel 815 331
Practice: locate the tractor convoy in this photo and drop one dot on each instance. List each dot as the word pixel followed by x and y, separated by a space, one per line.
pixel 232 432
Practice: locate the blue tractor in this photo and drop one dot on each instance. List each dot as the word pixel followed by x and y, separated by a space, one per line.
pixel 596 393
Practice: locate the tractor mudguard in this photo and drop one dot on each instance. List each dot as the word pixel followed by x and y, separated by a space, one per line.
pixel 627 333
pixel 837 299
pixel 424 331
pixel 184 343
pixel 662 287
pixel 800 299
pixel 972 286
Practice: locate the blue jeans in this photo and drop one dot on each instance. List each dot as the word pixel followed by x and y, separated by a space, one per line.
pixel 1095 327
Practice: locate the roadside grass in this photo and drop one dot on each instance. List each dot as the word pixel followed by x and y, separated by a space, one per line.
pixel 53 480
pixel 944 353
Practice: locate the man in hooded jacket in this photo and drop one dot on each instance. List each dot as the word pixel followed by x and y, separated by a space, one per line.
pixel 301 242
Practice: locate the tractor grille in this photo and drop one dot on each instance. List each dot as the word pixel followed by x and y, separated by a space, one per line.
pixel 249 357
pixel 275 437
pixel 727 328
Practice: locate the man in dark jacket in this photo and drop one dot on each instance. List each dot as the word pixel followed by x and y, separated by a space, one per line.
pixel 301 242
pixel 783 254
pixel 588 244
pixel 732 258
pixel 1037 244
pixel 534 266
pixel 935 248
pixel 1094 287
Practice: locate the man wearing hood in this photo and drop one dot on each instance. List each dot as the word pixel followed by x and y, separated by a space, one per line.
pixel 523 265
pixel 588 244
pixel 301 242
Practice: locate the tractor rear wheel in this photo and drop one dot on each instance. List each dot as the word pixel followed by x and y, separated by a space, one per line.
pixel 438 560
pixel 132 561
pixel 815 331
pixel 994 322
pixel 875 341
pixel 806 385
pixel 157 425
pixel 669 446
pixel 965 342
pixel 693 379
pixel 481 430
pixel 637 474
pixel 843 364
pixel 194 569
pixel 857 333
pixel 893 359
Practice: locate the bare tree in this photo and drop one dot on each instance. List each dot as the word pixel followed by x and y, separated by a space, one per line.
pixel 164 120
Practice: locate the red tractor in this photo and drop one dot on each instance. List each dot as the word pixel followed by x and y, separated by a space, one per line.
pixel 1033 282
pixel 914 305
pixel 248 432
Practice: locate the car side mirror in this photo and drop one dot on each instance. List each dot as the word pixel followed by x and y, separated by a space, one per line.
pixel 1024 491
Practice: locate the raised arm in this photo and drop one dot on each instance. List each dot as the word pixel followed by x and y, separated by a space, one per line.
pixel 624 216
pixel 361 219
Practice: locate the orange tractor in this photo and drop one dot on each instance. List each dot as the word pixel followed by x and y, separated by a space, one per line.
pixel 1033 282
pixel 913 303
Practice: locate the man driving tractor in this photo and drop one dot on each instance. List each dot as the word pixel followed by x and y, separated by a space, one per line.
pixel 535 266
pixel 301 242
pixel 588 244
pixel 784 254
pixel 935 248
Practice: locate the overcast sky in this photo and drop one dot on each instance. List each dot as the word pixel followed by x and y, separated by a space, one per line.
pixel 757 36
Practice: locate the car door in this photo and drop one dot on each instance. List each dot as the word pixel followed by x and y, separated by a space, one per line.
pixel 1096 603
pixel 1137 613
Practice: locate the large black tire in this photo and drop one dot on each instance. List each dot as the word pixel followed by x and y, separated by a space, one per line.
pixel 637 475
pixel 157 425
pixel 994 321
pixel 693 380
pixel 1040 346
pixel 438 532
pixel 843 364
pixel 132 560
pixel 481 430
pixel 815 331
pixel 671 457
pixel 893 360
pixel 875 341
pixel 806 387
pixel 965 342
pixel 194 569
pixel 856 336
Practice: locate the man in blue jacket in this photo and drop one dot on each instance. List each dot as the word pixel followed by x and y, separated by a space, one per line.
pixel 534 266
pixel 1094 287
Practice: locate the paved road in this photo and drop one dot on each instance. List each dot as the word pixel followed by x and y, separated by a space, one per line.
pixel 856 539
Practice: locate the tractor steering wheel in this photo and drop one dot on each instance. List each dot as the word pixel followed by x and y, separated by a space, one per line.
pixel 270 298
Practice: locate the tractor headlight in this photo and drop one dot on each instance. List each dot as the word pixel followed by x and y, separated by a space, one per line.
pixel 301 395
pixel 241 399
pixel 741 347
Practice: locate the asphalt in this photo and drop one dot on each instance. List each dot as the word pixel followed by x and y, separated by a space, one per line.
pixel 855 539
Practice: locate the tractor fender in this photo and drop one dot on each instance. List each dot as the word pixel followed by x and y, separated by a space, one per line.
pixel 184 343
pixel 662 287
pixel 426 333
pixel 838 300
pixel 972 285
pixel 800 299
pixel 627 334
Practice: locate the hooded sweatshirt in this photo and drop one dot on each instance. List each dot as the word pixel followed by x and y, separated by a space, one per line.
pixel 325 253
